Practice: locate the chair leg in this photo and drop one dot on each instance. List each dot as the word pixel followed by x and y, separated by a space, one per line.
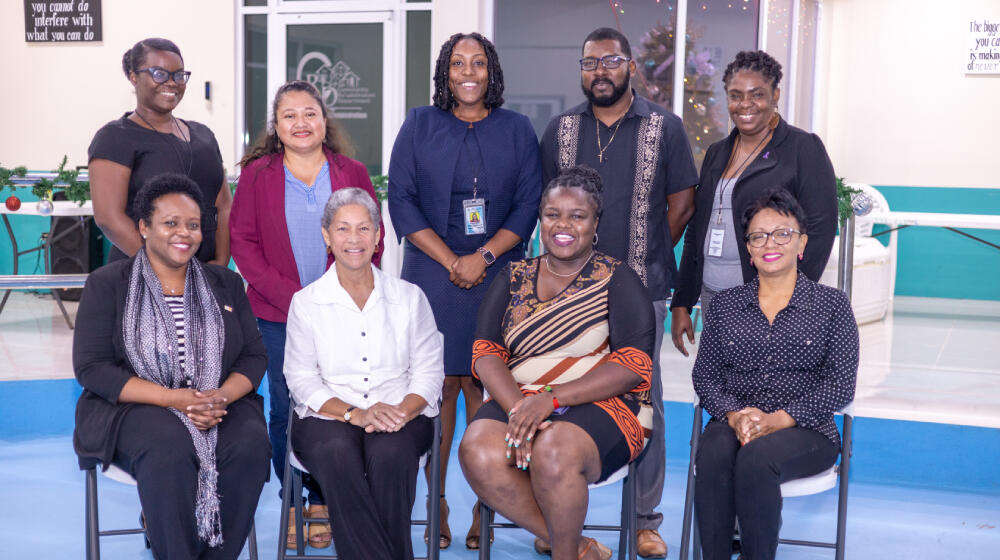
pixel 624 530
pixel 633 514
pixel 92 523
pixel 252 540
pixel 286 483
pixel 688 518
pixel 434 489
pixel 484 531
pixel 845 470
pixel 300 526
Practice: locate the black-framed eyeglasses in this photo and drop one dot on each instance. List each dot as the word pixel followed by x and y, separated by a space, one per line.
pixel 610 62
pixel 781 236
pixel 161 75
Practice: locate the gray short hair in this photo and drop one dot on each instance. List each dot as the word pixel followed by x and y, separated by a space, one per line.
pixel 348 196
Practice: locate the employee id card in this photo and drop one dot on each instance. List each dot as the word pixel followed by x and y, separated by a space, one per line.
pixel 715 242
pixel 474 210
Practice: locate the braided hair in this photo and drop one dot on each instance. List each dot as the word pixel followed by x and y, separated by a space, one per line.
pixel 136 56
pixel 754 61
pixel 268 143
pixel 580 177
pixel 494 91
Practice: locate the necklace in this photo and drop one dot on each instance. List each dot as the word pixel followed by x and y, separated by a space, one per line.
pixel 571 274
pixel 739 169
pixel 600 150
pixel 187 140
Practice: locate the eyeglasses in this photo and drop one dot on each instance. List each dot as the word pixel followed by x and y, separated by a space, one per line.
pixel 161 75
pixel 781 236
pixel 610 62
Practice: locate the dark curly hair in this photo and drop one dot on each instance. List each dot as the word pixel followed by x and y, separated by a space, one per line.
pixel 494 90
pixel 754 61
pixel 779 200
pixel 136 56
pixel 609 34
pixel 268 142
pixel 580 177
pixel 160 186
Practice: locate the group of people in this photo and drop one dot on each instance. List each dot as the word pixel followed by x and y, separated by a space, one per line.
pixel 556 357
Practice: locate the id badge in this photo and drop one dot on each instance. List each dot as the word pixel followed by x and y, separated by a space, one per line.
pixel 715 242
pixel 474 210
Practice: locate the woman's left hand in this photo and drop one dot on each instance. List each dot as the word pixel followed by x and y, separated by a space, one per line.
pixel 525 420
pixel 764 423
pixel 468 271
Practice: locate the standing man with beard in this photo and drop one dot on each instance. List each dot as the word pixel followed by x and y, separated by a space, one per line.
pixel 644 159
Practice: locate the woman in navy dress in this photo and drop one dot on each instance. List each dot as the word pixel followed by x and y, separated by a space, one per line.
pixel 464 182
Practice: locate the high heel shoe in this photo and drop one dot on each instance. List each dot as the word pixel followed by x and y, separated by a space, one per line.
pixel 472 537
pixel 445 537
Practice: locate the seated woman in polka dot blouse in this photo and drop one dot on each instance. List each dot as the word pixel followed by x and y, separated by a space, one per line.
pixel 778 356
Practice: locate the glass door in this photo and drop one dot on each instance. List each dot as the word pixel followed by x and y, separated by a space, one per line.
pixel 347 56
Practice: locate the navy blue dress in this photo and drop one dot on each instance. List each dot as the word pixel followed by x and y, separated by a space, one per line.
pixel 434 160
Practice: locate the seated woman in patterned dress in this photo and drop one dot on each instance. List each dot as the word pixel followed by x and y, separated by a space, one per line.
pixel 778 356
pixel 563 345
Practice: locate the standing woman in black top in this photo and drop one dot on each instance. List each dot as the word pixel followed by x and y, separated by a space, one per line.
pixel 127 152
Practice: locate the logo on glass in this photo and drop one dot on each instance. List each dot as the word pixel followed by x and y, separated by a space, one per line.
pixel 337 83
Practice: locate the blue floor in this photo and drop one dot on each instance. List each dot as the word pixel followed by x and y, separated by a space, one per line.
pixel 918 491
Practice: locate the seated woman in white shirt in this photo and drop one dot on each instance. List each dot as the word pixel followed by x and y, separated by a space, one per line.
pixel 364 364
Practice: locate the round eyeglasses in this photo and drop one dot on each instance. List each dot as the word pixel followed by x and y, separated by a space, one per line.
pixel 610 62
pixel 781 236
pixel 161 75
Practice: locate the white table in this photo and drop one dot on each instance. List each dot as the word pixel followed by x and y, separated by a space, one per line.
pixel 60 208
pixel 951 222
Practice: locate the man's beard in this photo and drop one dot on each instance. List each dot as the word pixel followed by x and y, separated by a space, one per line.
pixel 609 100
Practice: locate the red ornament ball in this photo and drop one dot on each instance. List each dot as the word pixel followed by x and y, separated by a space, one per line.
pixel 13 203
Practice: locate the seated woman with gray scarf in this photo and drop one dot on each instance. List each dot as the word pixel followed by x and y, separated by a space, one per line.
pixel 169 356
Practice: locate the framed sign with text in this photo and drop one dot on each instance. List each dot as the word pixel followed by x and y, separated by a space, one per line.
pixel 46 21
pixel 984 47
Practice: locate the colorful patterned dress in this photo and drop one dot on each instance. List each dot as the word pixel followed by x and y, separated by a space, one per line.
pixel 604 315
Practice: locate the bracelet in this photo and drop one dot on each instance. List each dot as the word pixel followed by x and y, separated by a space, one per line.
pixel 555 401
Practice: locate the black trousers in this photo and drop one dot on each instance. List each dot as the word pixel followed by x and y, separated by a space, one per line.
pixel 745 482
pixel 369 482
pixel 156 449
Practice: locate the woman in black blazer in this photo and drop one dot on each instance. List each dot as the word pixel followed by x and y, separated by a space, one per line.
pixel 169 356
pixel 761 152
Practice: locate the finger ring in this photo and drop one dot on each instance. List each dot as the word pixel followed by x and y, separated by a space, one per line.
pixel 758 427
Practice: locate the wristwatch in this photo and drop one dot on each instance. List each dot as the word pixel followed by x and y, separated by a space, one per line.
pixel 347 414
pixel 487 255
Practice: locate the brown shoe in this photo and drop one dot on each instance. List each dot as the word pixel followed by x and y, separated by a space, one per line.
pixel 603 552
pixel 650 544
pixel 320 534
pixel 472 537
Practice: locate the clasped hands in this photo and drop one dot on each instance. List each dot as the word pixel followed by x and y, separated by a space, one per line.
pixel 467 271
pixel 524 420
pixel 752 423
pixel 381 417
pixel 204 408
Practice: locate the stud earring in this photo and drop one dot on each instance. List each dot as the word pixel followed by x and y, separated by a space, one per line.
pixel 800 256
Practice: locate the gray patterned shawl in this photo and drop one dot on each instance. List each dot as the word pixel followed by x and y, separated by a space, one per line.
pixel 151 346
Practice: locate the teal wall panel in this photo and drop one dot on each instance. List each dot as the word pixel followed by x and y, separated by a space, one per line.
pixel 935 262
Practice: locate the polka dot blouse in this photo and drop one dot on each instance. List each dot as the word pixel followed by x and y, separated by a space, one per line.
pixel 805 363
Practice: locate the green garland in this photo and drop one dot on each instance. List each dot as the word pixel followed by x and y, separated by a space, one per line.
pixel 844 194
pixel 66 179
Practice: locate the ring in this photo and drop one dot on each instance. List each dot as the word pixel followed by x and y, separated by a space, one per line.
pixel 758 427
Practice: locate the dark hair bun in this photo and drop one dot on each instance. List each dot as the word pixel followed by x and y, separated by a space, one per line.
pixel 754 61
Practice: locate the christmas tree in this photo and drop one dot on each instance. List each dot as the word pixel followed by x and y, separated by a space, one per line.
pixel 704 120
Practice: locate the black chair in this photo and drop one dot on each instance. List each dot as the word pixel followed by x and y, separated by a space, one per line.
pixel 626 530
pixel 92 523
pixel 293 484
pixel 837 474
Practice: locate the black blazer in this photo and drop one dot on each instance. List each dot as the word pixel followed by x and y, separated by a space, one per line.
pixel 794 160
pixel 102 368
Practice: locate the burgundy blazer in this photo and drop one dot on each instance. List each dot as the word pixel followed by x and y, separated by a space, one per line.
pixel 258 232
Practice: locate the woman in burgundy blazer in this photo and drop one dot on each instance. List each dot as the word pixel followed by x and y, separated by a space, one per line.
pixel 276 238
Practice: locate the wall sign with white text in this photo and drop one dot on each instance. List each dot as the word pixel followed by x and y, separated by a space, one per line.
pixel 61 22
pixel 984 47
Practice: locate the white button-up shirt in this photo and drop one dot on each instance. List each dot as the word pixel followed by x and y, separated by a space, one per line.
pixel 381 353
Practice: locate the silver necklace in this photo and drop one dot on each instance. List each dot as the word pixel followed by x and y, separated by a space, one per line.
pixel 571 274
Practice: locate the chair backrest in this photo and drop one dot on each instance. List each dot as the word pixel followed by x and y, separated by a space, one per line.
pixel 863 225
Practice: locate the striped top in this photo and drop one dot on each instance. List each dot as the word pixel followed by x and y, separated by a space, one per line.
pixel 176 305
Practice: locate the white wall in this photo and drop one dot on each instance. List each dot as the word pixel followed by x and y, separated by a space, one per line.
pixel 459 16
pixel 895 105
pixel 55 96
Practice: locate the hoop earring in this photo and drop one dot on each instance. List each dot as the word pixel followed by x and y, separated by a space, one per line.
pixel 595 239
